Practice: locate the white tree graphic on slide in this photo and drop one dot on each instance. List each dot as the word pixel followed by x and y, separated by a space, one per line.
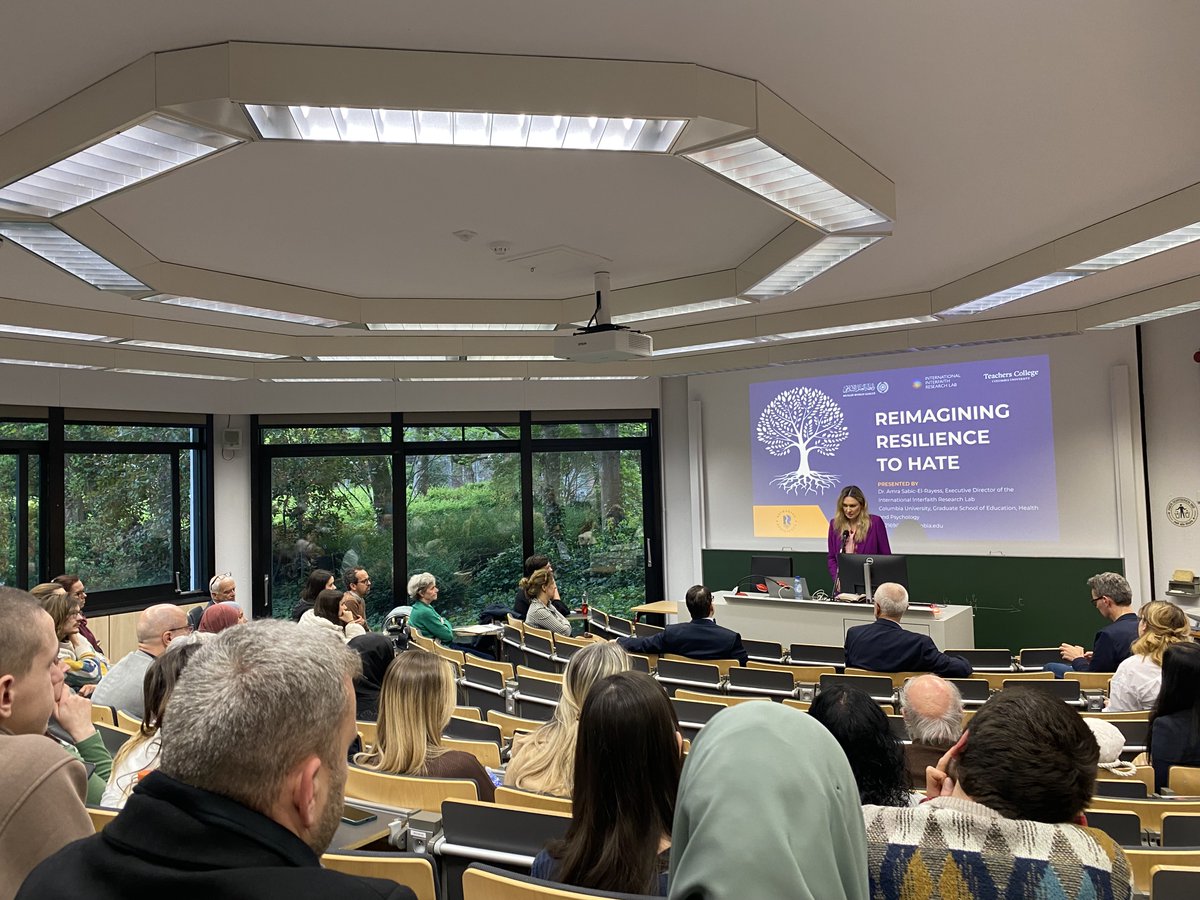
pixel 807 420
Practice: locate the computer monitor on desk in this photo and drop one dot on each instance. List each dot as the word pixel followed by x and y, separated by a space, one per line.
pixel 852 571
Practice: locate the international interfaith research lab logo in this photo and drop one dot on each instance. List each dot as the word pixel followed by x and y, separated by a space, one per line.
pixel 1182 511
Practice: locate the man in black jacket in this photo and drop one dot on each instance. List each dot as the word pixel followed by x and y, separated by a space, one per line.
pixel 249 791
pixel 883 646
pixel 701 638
pixel 1113 599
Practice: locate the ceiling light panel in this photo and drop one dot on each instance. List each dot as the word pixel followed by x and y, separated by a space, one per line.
pixel 768 173
pixel 323 380
pixel 157 145
pixel 1147 317
pixel 846 329
pixel 238 309
pixel 43 363
pixel 54 333
pixel 588 377
pixel 64 251
pixel 178 374
pixel 1167 241
pixel 510 358
pixel 382 358
pixel 467 129
pixel 716 345
pixel 820 257
pixel 460 326
pixel 1016 292
pixel 216 351
pixel 681 310
pixel 484 378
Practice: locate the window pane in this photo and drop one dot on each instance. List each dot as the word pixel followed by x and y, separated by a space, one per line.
pixel 24 431
pixel 414 433
pixel 173 433
pixel 187 519
pixel 33 488
pixel 591 430
pixel 334 513
pixel 9 511
pixel 588 520
pixel 464 526
pixel 371 434
pixel 118 519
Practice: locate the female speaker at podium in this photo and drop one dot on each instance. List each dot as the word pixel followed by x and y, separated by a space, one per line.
pixel 853 530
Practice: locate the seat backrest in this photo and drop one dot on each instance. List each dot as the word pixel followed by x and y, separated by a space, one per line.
pixel 539 652
pixel 898 727
pixel 695 712
pixel 645 629
pixel 105 714
pixel 369 732
pixel 114 738
pixel 1135 732
pixel 1091 681
pixel 620 626
pixel 639 663
pixel 1129 788
pixel 483 882
pixel 986 659
pixel 1142 861
pixel 817 655
pixel 801 705
pixel 679 671
pixel 537 685
pixel 1036 657
pixel 879 687
pixel 765 680
pixel 502 828
pixel 1150 811
pixel 407 791
pixel 487 752
pixel 468 712
pixel 1180 829
pixel 507 796
pixel 509 725
pixel 972 688
pixel 1174 882
pixel 765 651
pixel 483 676
pixel 1122 827
pixel 1067 691
pixel 472 730
pixel 413 870
pixel 723 699
pixel 800 674
pixel 101 817
pixel 897 678
pixel 126 722
pixel 1183 779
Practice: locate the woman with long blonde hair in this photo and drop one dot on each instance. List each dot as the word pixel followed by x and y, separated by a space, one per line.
pixel 416 701
pixel 1136 683
pixel 545 760
pixel 854 530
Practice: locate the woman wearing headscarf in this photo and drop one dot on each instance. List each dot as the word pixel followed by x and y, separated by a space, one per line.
pixel 805 839
pixel 220 616
pixel 377 654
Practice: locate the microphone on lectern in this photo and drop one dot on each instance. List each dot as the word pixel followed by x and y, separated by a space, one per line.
pixel 845 538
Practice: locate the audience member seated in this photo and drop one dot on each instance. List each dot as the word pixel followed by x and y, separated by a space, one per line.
pixel 42 787
pixel 377 653
pixel 139 755
pixel 358 583
pixel 85 666
pixel 1002 821
pixel 353 603
pixel 521 601
pixel 541 590
pixel 122 687
pixel 933 714
pixel 767 808
pixel 1112 597
pixel 1174 738
pixel 423 591
pixel 627 761
pixel 1138 678
pixel 318 580
pixel 331 614
pixel 73 585
pixel 415 706
pixel 250 783
pixel 544 761
pixel 220 616
pixel 701 638
pixel 861 728
pixel 221 589
pixel 883 646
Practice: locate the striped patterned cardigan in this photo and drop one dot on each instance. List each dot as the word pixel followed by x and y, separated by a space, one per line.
pixel 955 848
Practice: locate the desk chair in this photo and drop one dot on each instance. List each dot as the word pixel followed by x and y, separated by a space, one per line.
pixel 986 660
pixel 1184 780
pixel 694 715
pixel 746 682
pixel 487 832
pixel 1067 691
pixel 369 732
pixel 510 796
pixel 1130 787
pixel 407 791
pixel 1036 657
pixel 126 722
pixel 1174 882
pixel 413 870
pixel 510 725
pixel 1180 830
pixel 484 687
pixel 537 696
pixel 645 630
pixel 975 691
pixel 106 715
pixel 723 699
pixel 879 687
pixel 114 738
pixel 487 752
pixel 817 655
pixel 620 627
pixel 101 816
pixel 1122 827
pixel 473 730
pixel 482 882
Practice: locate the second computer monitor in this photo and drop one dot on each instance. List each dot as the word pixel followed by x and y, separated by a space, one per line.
pixel 775 566
pixel 852 568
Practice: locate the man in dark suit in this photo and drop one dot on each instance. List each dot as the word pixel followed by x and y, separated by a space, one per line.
pixel 1113 599
pixel 701 638
pixel 883 646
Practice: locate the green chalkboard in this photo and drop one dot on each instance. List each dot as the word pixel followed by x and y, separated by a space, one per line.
pixel 1019 601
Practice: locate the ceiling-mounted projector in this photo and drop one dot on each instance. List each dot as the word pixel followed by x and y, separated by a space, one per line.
pixel 600 340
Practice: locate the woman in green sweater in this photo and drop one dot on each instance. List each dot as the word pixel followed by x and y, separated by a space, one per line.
pixel 423 591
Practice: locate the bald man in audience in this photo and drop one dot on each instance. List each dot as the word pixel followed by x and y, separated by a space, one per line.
pixel 42 787
pixel 933 713
pixel 121 688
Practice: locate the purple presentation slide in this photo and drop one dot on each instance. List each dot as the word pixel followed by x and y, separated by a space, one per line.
pixel 963 451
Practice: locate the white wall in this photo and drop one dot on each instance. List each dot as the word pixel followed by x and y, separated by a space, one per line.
pixel 1172 394
pixel 232 502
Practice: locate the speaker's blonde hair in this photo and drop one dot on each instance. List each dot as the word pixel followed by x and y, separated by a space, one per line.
pixel 416 701
pixel 1166 624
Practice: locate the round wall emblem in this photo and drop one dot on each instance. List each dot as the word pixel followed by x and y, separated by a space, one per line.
pixel 1182 511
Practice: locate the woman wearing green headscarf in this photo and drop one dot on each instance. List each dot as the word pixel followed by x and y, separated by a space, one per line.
pixel 768 808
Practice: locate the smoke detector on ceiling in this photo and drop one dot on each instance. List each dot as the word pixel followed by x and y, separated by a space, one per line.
pixel 500 248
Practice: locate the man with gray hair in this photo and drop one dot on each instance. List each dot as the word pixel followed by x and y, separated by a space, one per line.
pixel 883 646
pixel 933 713
pixel 221 589
pixel 249 790
pixel 122 687
pixel 1113 599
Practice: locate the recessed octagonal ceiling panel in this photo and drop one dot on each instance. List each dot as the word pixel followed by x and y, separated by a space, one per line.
pixel 377 221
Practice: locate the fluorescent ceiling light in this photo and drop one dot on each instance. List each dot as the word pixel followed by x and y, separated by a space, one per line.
pixel 238 309
pixel 485 378
pixel 845 329
pixel 820 257
pixel 461 326
pixel 1008 295
pixel 192 348
pixel 48 365
pixel 1148 317
pixel 67 253
pixel 768 173
pixel 52 333
pixel 142 151
pixel 178 374
pixel 382 358
pixel 588 377
pixel 323 380
pixel 716 345
pixel 683 309
pixel 470 129
pixel 510 358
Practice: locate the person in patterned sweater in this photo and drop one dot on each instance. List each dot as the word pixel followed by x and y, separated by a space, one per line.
pixel 1003 817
